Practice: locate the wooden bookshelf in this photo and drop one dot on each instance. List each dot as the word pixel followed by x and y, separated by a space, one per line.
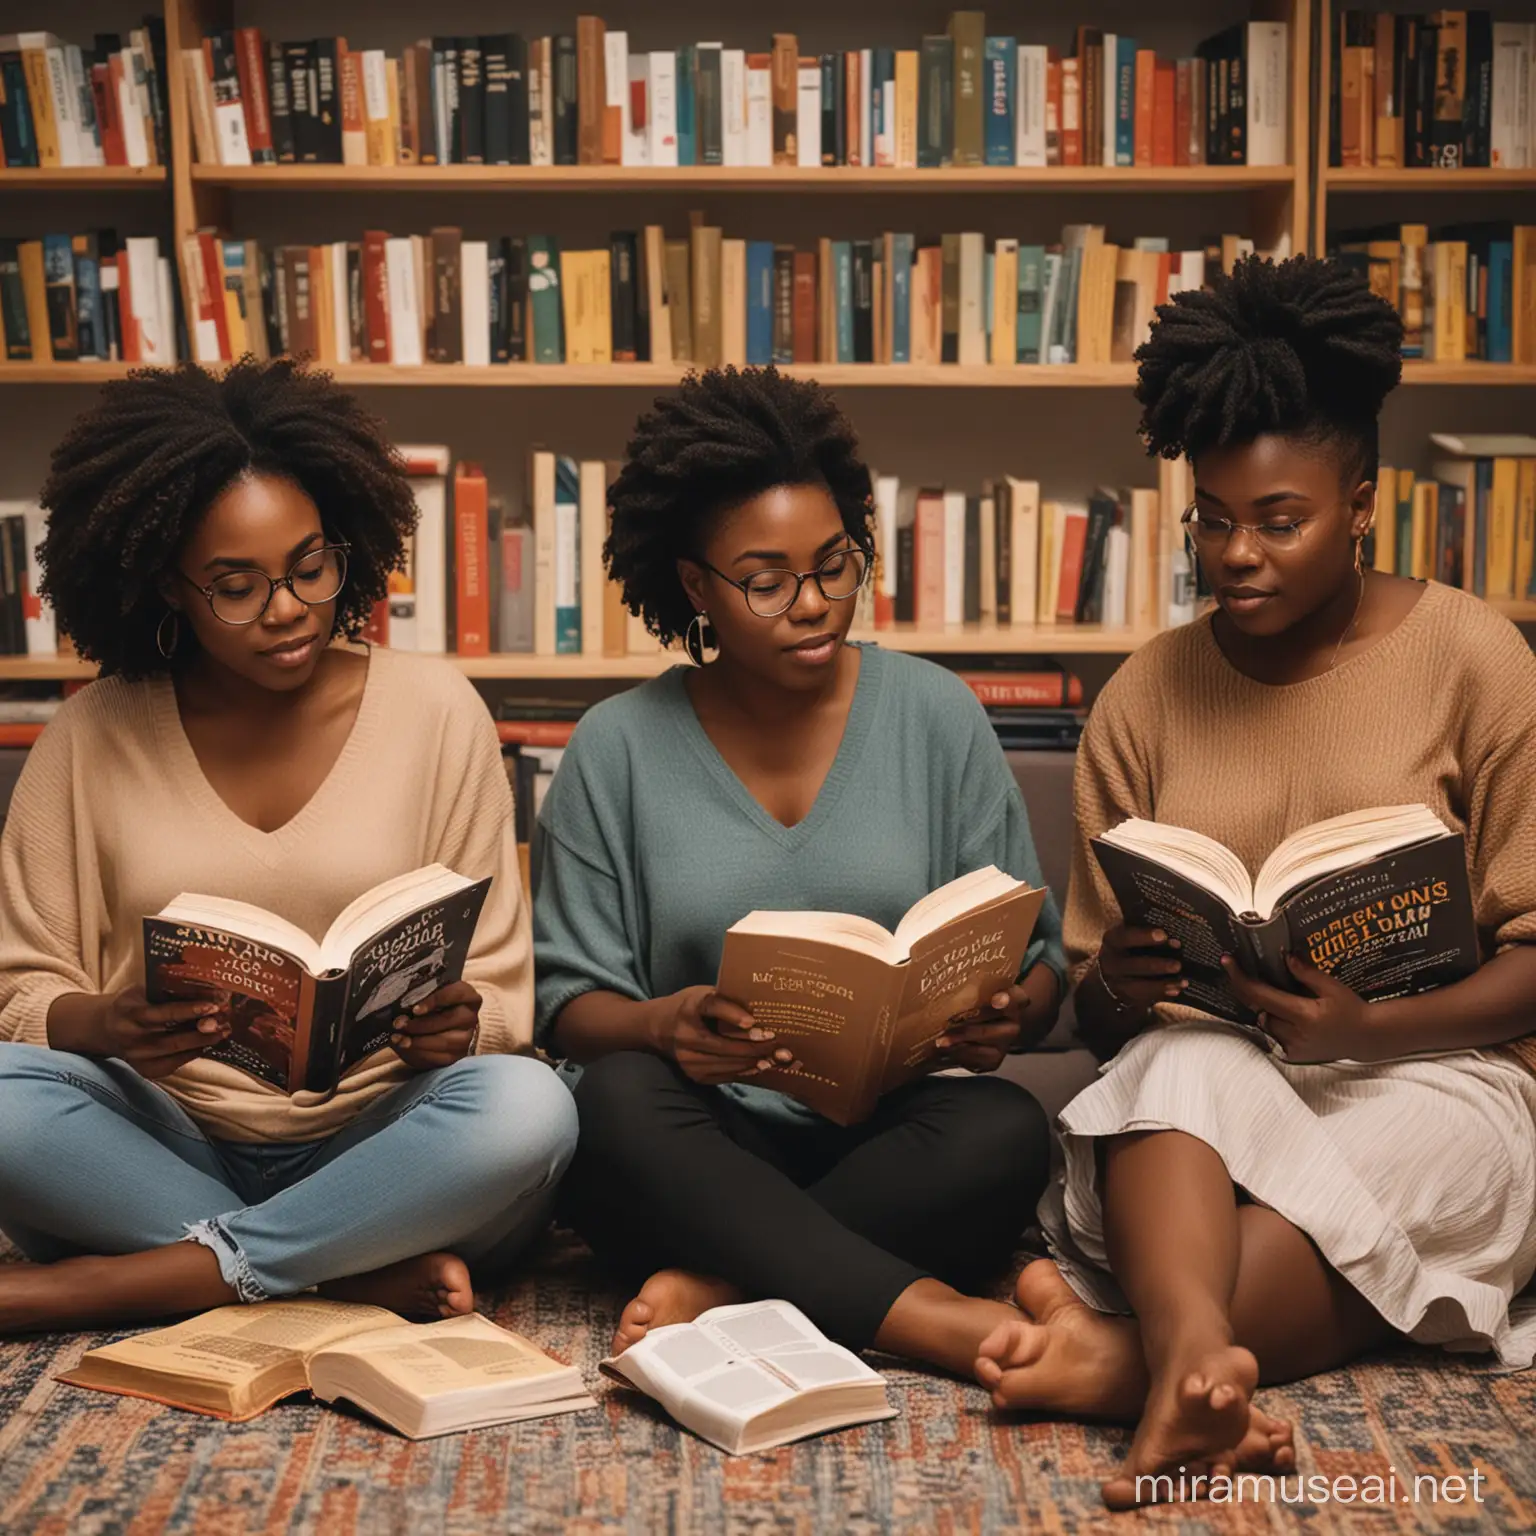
pixel 718 178
pixel 1367 178
pixel 958 640
pixel 83 178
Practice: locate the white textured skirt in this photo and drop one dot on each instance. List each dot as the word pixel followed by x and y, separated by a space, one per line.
pixel 1416 1179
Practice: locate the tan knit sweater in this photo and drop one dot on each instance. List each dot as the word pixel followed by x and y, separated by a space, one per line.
pixel 113 817
pixel 1441 710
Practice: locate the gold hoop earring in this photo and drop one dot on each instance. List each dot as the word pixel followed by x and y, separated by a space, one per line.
pixel 167 648
pixel 700 638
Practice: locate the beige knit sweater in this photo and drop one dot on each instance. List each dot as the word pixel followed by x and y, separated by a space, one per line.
pixel 1441 710
pixel 113 817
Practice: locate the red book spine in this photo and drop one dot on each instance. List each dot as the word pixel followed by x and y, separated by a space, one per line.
pixel 376 630
pixel 1074 543
pixel 109 124
pixel 928 561
pixel 376 296
pixel 213 275
pixel 133 345
pixel 535 733
pixel 251 66
pixel 1164 114
pixel 804 317
pixel 471 521
pixel 19 735
pixel 1029 690
pixel 1144 102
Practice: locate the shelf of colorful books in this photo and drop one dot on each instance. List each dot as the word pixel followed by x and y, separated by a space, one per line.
pixel 789 178
pixel 1368 178
pixel 834 375
pixel 83 178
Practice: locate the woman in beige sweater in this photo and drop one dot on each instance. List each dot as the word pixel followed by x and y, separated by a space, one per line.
pixel 1263 1218
pixel 211 543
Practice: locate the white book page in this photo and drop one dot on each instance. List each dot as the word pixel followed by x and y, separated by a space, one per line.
pixel 1335 844
pixel 781 1336
pixel 246 921
pixel 843 929
pixel 1202 859
pixel 958 897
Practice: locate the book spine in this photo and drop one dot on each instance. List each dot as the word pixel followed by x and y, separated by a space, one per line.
pixel 1002 94
pixel 566 100
pixel 251 59
pixel 783 304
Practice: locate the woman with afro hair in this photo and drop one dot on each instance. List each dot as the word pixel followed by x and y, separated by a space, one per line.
pixel 216 545
pixel 1230 1216
pixel 786 769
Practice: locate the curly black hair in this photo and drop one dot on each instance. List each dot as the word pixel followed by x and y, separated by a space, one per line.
pixel 726 436
pixel 1301 347
pixel 132 478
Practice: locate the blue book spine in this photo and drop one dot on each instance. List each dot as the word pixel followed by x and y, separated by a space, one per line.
pixel 842 277
pixel 567 558
pixel 93 340
pixel 1000 74
pixel 901 298
pixel 16 133
pixel 1125 101
pixel 759 302
pixel 1482 491
pixel 1501 266
pixel 687 63
pixel 1031 294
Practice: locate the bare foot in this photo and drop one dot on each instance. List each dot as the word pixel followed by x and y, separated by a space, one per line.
pixel 99 1291
pixel 935 1323
pixel 1197 1414
pixel 1062 1357
pixel 430 1286
pixel 1269 1445
pixel 670 1296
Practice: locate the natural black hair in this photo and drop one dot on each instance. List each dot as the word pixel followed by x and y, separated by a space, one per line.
pixel 725 436
pixel 1301 348
pixel 134 475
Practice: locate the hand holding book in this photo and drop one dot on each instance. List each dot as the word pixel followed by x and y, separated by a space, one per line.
pixel 1332 1022
pixel 711 1038
pixel 439 1030
pixel 155 1039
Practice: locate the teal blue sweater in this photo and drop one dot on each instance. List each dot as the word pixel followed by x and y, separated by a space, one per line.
pixel 648 847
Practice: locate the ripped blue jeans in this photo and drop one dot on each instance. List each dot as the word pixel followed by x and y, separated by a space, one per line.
pixel 95 1159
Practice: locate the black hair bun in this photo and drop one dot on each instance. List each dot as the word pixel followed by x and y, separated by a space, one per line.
pixel 1274 347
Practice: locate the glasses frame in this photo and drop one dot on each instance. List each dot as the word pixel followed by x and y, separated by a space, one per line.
pixel 800 578
pixel 1192 516
pixel 210 592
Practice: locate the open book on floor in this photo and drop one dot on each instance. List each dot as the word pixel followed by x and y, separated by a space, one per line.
pixel 1378 898
pixel 861 1007
pixel 419 1378
pixel 301 1013
pixel 752 1376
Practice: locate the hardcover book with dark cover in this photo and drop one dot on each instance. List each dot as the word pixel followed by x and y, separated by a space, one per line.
pixel 300 1013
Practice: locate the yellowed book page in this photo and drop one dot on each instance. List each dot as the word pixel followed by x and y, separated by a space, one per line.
pixel 234 1362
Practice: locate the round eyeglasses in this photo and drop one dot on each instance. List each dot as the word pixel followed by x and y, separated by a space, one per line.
pixel 770 593
pixel 241 597
pixel 1212 531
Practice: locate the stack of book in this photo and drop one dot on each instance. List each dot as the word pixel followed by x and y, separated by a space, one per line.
pixel 1449 89
pixel 62 105
pixel 73 298
pixel 705 299
pixel 1470 524
pixel 959 98
pixel 1468 293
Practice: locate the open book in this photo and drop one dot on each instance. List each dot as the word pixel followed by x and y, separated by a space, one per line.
pixel 752 1376
pixel 861 1007
pixel 419 1378
pixel 1379 899
pixel 301 1013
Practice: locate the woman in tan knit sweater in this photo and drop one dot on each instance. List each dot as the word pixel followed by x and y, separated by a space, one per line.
pixel 207 541
pixel 1263 1218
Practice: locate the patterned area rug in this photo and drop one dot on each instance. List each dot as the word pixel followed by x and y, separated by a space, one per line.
pixel 86 1464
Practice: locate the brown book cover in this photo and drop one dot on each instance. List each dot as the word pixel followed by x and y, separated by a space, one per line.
pixel 447 333
pixel 29 256
pixel 786 98
pixel 615 614
pixel 376 296
pixel 301 309
pixel 322 300
pixel 429 151
pixel 471 523
pixel 708 282
pixel 1090 80
pixel 591 89
pixel 968 32
pixel 1144 136
pixel 928 560
pixel 680 300
pixel 804 322
pixel 410 109
pixel 826 303
pixel 862 1008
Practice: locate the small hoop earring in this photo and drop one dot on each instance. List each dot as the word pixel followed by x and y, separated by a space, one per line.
pixel 699 639
pixel 167 648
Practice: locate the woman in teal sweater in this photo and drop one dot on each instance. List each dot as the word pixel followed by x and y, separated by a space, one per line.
pixel 787 769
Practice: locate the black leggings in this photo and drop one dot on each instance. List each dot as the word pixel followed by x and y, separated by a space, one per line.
pixel 940 1181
